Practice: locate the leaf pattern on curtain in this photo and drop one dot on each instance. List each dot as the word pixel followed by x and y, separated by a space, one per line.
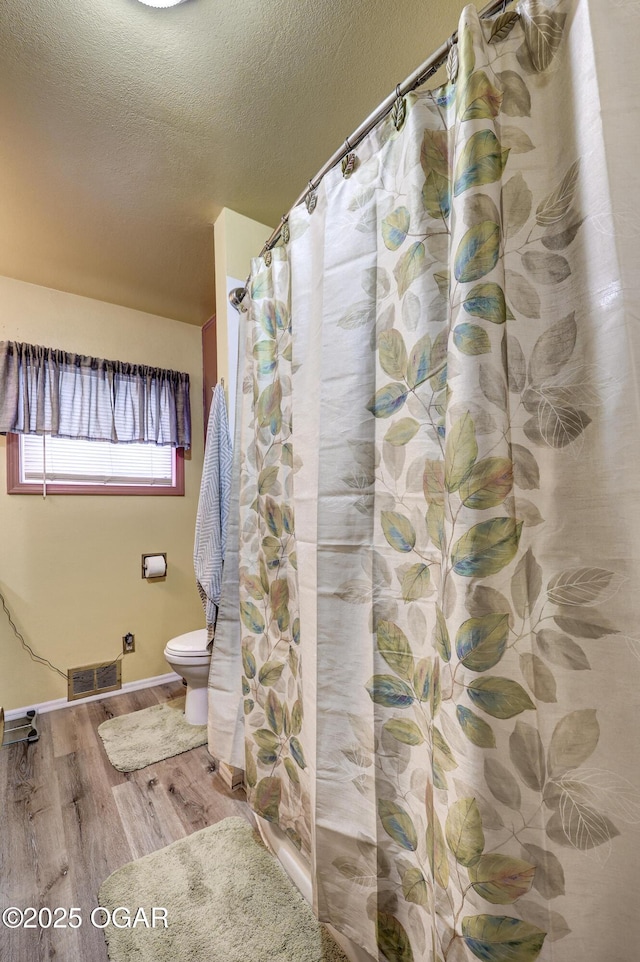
pixel 275 761
pixel 473 747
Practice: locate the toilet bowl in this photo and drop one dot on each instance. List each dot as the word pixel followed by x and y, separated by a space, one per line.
pixel 188 656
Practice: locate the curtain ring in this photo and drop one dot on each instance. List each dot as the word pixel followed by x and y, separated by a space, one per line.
pixel 398 91
pixel 347 145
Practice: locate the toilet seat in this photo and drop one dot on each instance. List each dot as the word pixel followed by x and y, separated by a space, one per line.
pixel 193 644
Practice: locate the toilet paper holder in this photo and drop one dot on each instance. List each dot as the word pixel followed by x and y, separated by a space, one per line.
pixel 146 563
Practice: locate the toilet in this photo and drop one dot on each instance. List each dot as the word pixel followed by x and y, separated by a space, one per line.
pixel 189 656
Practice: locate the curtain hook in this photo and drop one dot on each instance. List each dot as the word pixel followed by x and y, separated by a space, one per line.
pixel 399 109
pixel 349 160
pixel 284 228
pixel 311 199
pixel 452 59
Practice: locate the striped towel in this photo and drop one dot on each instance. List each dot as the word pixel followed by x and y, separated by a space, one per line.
pixel 213 509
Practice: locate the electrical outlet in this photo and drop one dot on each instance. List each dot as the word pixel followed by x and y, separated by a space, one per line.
pixel 128 643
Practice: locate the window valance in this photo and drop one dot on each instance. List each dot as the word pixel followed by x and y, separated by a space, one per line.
pixel 46 391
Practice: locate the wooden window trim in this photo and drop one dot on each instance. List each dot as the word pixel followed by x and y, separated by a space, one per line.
pixel 15 486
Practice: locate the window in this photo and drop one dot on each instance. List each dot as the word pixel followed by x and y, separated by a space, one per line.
pixel 84 425
pixel 92 467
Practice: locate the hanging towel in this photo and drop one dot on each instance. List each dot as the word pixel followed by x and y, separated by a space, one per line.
pixel 213 509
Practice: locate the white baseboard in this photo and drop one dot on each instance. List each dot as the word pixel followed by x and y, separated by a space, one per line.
pixel 57 703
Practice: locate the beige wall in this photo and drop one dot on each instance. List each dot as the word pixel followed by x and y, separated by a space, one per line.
pixel 70 566
pixel 236 240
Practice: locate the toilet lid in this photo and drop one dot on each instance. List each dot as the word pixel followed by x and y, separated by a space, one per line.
pixel 192 643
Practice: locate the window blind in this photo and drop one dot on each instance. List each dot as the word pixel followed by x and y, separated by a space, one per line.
pixel 94 462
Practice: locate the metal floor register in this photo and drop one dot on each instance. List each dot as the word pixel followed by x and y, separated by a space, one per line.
pixel 19 729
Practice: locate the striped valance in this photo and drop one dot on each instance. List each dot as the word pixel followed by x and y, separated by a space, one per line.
pixel 47 391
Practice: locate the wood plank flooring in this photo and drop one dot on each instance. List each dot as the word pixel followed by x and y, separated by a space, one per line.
pixel 68 819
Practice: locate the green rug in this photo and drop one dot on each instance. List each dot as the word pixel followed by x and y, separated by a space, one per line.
pixel 227 900
pixel 143 737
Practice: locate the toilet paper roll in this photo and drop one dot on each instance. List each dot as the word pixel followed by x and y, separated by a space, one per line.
pixel 155 566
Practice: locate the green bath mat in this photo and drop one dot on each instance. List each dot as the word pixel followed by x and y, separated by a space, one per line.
pixel 227 900
pixel 143 737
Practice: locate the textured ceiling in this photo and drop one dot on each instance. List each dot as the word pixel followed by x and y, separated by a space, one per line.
pixel 126 129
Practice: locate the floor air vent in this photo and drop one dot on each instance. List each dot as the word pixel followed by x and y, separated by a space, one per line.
pixel 93 679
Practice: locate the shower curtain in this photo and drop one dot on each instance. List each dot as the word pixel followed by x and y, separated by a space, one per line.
pixel 430 669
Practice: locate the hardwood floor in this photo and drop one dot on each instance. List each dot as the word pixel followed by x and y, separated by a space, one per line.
pixel 69 819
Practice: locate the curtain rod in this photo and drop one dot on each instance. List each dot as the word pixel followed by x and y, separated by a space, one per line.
pixel 416 79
